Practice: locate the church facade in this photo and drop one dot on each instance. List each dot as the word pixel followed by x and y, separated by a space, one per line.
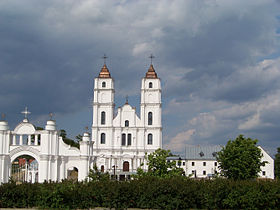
pixel 118 143
pixel 122 139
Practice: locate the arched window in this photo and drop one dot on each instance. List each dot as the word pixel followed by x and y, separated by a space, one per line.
pixel 123 139
pixel 150 85
pixel 129 139
pixel 103 116
pixel 102 168
pixel 150 118
pixel 126 166
pixel 126 123
pixel 150 138
pixel 103 84
pixel 103 138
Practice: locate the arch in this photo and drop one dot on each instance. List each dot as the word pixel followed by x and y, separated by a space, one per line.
pixel 150 139
pixel 150 85
pixel 103 84
pixel 126 123
pixel 103 138
pixel 73 173
pixel 102 168
pixel 125 166
pixel 24 168
pixel 103 118
pixel 24 150
pixel 150 118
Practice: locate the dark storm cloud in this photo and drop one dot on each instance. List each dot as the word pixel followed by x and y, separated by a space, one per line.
pixel 207 55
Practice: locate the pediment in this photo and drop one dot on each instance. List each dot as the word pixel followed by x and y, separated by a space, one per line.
pixel 25 128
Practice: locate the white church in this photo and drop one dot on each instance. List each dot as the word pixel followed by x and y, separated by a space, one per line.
pixel 117 145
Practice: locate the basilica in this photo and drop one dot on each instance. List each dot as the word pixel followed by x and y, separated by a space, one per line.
pixel 117 144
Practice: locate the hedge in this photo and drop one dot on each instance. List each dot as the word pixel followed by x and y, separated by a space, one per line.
pixel 146 193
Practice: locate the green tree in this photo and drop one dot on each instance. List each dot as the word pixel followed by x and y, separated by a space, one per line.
pixel 68 141
pixel 158 166
pixel 240 159
pixel 277 164
pixel 96 175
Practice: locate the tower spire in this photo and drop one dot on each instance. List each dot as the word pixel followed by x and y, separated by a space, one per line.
pixel 104 73
pixel 151 74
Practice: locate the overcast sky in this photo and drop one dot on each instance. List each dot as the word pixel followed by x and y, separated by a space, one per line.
pixel 218 60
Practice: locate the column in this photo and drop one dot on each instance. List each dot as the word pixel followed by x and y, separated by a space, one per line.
pixel 29 140
pixel 14 139
pixel 20 139
pixel 36 140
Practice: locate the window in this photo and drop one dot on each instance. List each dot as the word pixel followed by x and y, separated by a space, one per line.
pixel 179 163
pixel 102 168
pixel 150 118
pixel 183 163
pixel 193 164
pixel 126 123
pixel 150 85
pixel 263 173
pixel 103 84
pixel 123 139
pixel 150 138
pixel 193 171
pixel 215 163
pixel 103 138
pixel 204 163
pixel 129 139
pixel 204 172
pixel 103 116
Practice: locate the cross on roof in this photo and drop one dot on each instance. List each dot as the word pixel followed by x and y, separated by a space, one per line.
pixel 25 112
pixel 3 116
pixel 86 128
pixel 51 115
pixel 104 57
pixel 126 99
pixel 151 57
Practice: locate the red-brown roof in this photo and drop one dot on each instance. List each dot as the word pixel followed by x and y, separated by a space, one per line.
pixel 104 73
pixel 151 74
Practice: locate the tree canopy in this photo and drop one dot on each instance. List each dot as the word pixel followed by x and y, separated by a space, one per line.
pixel 158 166
pixel 277 164
pixel 68 141
pixel 240 159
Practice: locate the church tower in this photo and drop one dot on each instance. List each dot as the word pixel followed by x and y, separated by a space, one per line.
pixel 151 109
pixel 103 109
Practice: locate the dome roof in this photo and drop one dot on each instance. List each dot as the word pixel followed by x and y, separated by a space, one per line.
pixel 104 73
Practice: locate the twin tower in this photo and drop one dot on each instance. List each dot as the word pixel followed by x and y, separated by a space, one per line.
pixel 122 139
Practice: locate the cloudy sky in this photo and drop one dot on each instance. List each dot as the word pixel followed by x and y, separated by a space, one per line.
pixel 218 60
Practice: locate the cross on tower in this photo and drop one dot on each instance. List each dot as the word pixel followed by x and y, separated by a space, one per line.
pixel 126 99
pixel 86 128
pixel 151 57
pixel 3 116
pixel 25 112
pixel 104 57
pixel 51 115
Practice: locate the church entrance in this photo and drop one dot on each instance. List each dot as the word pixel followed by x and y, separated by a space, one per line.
pixel 25 169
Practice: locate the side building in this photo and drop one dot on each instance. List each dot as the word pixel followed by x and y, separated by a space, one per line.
pixel 122 138
pixel 200 162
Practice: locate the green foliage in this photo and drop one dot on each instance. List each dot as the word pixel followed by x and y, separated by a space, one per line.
pixel 145 193
pixel 277 164
pixel 159 167
pixel 240 159
pixel 68 141
pixel 96 175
